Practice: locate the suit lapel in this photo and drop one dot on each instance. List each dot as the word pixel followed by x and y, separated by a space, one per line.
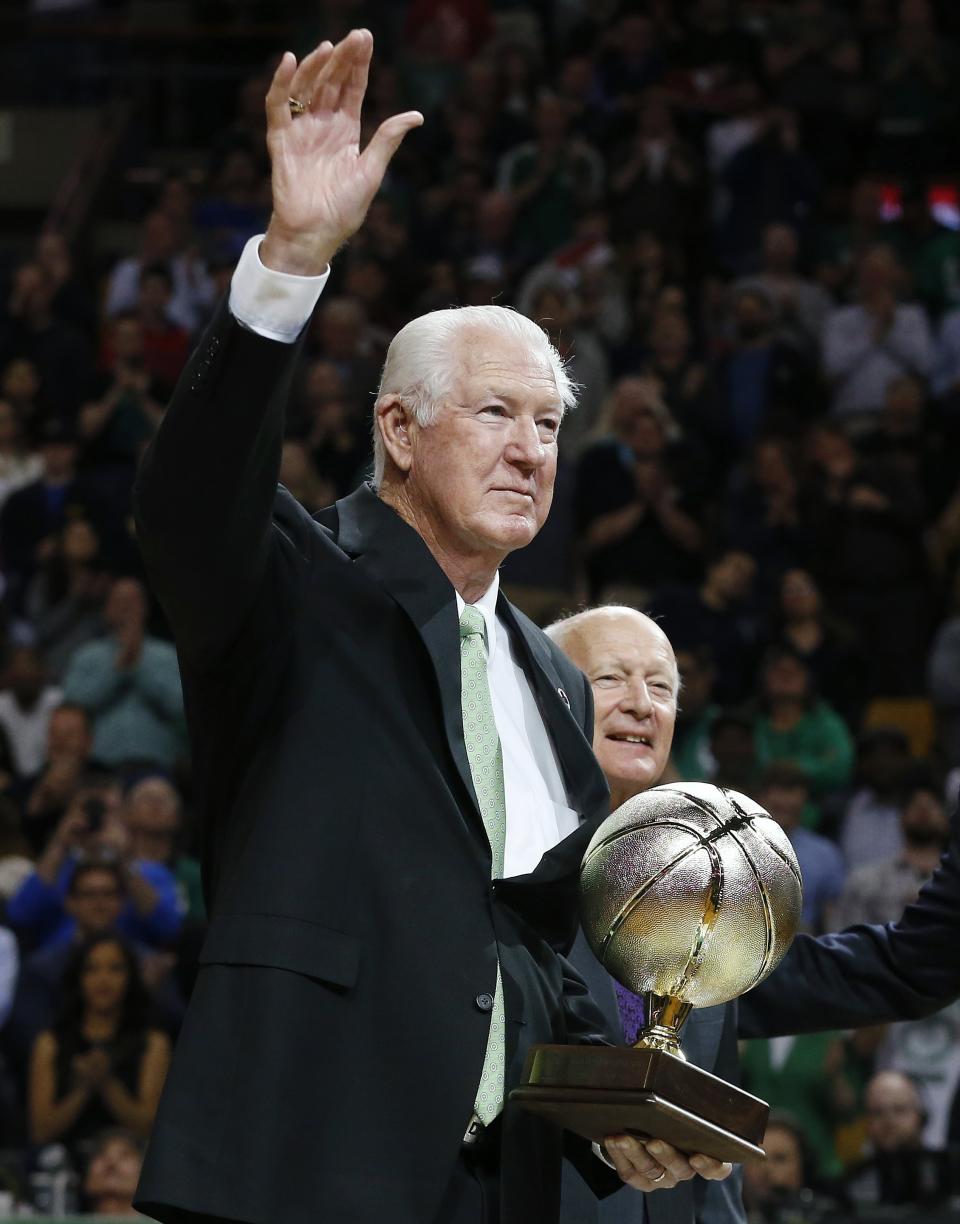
pixel 395 556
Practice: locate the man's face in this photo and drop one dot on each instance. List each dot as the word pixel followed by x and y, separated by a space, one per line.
pixel 630 665
pixel 95 901
pixel 894 1118
pixel 924 819
pixel 481 475
pixel 152 818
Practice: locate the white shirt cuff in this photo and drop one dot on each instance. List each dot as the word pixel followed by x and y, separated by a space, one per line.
pixel 598 1151
pixel 272 304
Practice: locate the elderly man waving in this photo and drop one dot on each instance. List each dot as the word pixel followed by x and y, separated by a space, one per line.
pixel 393 766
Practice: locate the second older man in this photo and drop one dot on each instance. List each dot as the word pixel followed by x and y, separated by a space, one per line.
pixel 632 671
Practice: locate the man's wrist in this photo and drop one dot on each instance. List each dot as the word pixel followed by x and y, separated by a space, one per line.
pixel 296 254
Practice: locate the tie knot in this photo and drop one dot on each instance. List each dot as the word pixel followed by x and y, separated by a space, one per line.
pixel 471 622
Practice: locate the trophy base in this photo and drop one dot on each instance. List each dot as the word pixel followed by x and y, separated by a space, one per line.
pixel 596 1091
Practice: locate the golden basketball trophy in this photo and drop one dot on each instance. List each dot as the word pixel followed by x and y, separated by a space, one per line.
pixel 690 894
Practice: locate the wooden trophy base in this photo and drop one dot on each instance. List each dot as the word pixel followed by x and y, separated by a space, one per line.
pixel 596 1091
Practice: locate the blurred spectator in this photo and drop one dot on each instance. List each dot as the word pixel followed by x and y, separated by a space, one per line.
pixel 870 829
pixel 19 464
pixel 907 438
pixel 866 519
pixel 915 68
pixel 73 300
pixel 776 1186
pixel 153 814
pixel 943 677
pixel 761 384
pixel 557 310
pixel 22 388
pixel 801 305
pixel 656 183
pixel 341 334
pixel 26 702
pixel 110 1181
pixel 130 683
pixel 101 1064
pixel 93 829
pixel 64 601
pixel 784 791
pixel 801 622
pixel 763 511
pixel 234 209
pixel 808 1077
pixel 166 344
pixel 29 328
pixel 770 179
pixel 867 345
pixel 899 1170
pixel 127 400
pixel 549 178
pixel 636 495
pixel 66 759
pixel 160 244
pixel 669 360
pixel 715 614
pixel 734 752
pixel 795 725
pixel 33 516
pixel 299 475
pixel 695 714
pixel 588 266
pixel 880 891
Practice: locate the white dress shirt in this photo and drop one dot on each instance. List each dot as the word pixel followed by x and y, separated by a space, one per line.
pixel 278 305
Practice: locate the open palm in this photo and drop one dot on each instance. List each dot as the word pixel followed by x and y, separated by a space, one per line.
pixel 322 183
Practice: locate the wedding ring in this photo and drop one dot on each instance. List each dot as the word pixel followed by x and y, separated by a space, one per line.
pixel 297 107
pixel 660 1176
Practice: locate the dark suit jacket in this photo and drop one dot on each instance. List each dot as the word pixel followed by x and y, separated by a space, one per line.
pixel 868 974
pixel 328 1063
pixel 710 1040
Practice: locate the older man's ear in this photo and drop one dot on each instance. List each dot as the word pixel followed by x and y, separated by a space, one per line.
pixel 393 421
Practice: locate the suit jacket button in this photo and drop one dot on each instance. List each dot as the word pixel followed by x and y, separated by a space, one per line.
pixel 485 1002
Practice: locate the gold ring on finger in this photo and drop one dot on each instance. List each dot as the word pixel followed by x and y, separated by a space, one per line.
pixel 297 107
pixel 660 1176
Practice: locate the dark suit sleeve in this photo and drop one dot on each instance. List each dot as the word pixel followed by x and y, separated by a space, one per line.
pixel 868 974
pixel 204 495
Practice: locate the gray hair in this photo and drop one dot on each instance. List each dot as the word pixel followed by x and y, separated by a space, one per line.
pixel 421 361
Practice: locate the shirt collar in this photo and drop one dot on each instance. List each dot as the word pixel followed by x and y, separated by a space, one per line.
pixel 487 606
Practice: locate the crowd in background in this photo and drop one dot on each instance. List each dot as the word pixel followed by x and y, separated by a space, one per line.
pixel 740 225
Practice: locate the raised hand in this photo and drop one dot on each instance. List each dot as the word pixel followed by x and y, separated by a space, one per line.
pixel 322 183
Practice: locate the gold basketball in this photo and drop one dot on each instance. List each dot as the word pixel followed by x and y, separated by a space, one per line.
pixel 690 890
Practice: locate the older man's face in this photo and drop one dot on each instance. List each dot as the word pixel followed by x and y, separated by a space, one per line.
pixel 481 479
pixel 630 665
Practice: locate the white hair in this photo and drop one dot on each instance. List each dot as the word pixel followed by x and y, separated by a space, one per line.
pixel 567 629
pixel 421 363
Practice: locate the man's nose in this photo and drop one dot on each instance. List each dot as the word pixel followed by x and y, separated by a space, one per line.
pixel 526 447
pixel 637 698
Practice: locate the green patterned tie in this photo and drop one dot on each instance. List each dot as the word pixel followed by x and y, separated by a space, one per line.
pixel 486 766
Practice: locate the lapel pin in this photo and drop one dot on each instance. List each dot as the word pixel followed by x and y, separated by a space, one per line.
pixel 564 698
